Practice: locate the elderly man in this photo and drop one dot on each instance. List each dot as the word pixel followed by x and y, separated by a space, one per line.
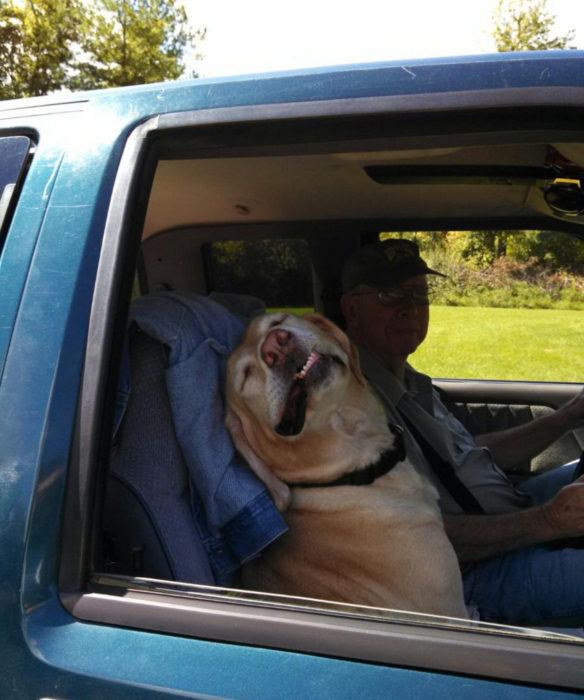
pixel 517 567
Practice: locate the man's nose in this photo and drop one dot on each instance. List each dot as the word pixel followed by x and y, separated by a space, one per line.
pixel 275 346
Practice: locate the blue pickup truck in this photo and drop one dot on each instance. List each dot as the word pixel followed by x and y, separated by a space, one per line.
pixel 221 192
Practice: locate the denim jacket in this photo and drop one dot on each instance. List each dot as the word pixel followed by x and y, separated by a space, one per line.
pixel 232 508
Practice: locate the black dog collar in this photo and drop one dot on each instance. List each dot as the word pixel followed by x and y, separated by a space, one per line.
pixel 367 475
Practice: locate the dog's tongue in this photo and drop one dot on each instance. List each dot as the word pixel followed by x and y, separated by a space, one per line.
pixel 292 420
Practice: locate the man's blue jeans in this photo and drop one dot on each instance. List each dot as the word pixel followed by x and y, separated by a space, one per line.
pixel 535 585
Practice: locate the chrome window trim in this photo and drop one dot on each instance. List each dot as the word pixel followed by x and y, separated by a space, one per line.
pixel 395 638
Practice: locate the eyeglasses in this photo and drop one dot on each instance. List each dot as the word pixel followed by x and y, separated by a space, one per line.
pixel 395 296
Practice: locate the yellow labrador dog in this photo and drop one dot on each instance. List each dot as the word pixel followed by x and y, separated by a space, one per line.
pixel 364 527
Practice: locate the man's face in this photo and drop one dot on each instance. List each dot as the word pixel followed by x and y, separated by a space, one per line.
pixel 389 327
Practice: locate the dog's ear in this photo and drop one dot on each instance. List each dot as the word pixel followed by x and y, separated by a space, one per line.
pixel 343 340
pixel 279 491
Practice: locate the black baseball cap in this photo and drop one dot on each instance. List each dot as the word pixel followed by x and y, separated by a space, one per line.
pixel 384 264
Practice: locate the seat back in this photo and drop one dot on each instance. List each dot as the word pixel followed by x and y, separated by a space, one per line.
pixel 148 526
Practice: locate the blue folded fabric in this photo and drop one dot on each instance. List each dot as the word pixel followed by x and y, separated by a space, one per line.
pixel 233 510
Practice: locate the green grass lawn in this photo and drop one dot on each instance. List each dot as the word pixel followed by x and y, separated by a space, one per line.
pixel 491 343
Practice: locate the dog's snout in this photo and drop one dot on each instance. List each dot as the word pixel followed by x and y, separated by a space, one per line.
pixel 275 346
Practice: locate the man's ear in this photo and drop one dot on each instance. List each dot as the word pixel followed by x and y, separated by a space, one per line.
pixel 350 311
pixel 279 491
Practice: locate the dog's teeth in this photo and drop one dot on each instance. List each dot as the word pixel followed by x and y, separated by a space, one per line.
pixel 312 358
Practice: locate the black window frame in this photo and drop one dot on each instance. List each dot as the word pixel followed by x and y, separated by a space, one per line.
pixel 16 151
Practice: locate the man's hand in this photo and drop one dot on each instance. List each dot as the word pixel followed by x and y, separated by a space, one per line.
pixel 480 536
pixel 515 445
pixel 564 513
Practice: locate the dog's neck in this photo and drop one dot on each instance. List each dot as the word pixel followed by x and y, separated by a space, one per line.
pixel 366 475
pixel 357 438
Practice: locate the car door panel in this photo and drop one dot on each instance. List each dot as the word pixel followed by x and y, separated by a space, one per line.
pixel 488 406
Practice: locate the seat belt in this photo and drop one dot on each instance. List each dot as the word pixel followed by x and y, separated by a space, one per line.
pixel 445 472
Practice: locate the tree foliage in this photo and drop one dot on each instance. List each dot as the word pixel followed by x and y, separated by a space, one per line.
pixel 38 40
pixel 531 269
pixel 483 249
pixel 48 45
pixel 11 23
pixel 129 42
pixel 526 25
pixel 276 271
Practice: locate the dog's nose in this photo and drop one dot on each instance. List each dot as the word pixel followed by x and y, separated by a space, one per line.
pixel 273 348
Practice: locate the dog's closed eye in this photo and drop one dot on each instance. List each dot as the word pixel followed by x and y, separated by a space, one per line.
pixel 246 374
pixel 278 321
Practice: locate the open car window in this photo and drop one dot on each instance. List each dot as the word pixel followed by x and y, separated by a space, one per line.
pixel 510 307
pixel 209 197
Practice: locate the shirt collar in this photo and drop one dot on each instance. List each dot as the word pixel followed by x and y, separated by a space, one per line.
pixel 379 375
pixel 394 388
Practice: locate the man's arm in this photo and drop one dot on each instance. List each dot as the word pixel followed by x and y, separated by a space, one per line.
pixel 477 537
pixel 513 446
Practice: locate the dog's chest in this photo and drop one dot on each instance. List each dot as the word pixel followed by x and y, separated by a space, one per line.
pixel 365 526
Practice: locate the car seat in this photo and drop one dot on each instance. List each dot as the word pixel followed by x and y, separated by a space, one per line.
pixel 148 527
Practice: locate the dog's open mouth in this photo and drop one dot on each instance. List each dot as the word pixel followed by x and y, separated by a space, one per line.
pixel 314 370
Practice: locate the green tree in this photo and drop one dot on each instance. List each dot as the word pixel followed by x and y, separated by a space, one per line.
pixel 38 41
pixel 48 45
pixel 11 21
pixel 277 271
pixel 130 42
pixel 556 250
pixel 526 25
pixel 479 248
